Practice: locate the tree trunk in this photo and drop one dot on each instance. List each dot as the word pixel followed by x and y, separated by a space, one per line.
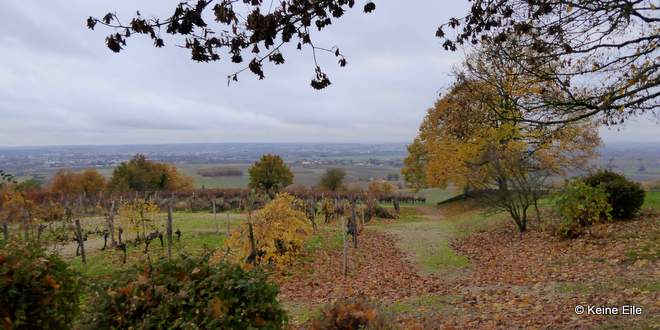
pixel 5 231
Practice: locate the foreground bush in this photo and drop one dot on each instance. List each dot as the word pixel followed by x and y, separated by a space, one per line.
pixel 626 197
pixel 579 206
pixel 351 314
pixel 188 293
pixel 277 234
pixel 37 289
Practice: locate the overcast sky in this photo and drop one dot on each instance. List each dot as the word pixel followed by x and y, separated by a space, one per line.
pixel 59 84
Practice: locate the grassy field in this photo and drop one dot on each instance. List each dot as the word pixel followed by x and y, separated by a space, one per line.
pixel 652 200
pixel 302 176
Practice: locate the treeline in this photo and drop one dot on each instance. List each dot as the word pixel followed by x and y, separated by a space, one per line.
pixel 138 174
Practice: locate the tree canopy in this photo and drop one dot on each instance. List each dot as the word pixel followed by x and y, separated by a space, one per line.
pixel 70 184
pixel 270 174
pixel 333 179
pixel 253 28
pixel 141 174
pixel 597 58
pixel 460 137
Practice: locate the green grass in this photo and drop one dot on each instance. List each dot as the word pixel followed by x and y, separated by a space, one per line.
pixel 652 200
pixel 427 239
pixel 436 195
pixel 327 239
pixel 609 286
pixel 105 263
pixel 301 313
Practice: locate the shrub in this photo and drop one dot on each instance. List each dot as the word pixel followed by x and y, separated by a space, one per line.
pixel 187 293
pixel 626 197
pixel 278 234
pixel 579 206
pixel 351 314
pixel 37 289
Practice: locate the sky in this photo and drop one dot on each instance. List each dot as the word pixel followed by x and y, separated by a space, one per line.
pixel 60 85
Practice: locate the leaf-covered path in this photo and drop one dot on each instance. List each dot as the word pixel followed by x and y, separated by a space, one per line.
pixel 533 281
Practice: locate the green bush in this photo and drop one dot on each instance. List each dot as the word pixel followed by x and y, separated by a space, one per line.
pixel 626 197
pixel 37 289
pixel 349 314
pixel 187 293
pixel 579 206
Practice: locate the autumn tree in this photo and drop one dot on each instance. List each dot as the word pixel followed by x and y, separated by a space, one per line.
pixel 333 179
pixel 211 28
pixel 413 166
pixel 377 188
pixel 141 174
pixel 276 235
pixel 71 184
pixel 464 141
pixel 270 174
pixel 596 58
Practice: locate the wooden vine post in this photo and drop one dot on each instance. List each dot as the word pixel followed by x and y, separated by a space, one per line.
pixel 353 224
pixel 169 230
pixel 228 229
pixel 81 241
pixel 345 256
pixel 215 217
pixel 111 224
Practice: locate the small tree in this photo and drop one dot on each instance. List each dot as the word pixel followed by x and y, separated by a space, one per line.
pixel 333 179
pixel 270 174
pixel 275 237
pixel 513 183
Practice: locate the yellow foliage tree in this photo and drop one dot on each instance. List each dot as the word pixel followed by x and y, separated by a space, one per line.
pixel 461 132
pixel 380 188
pixel 275 236
pixel 474 138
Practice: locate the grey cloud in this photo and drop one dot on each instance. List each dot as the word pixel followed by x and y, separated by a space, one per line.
pixel 60 85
